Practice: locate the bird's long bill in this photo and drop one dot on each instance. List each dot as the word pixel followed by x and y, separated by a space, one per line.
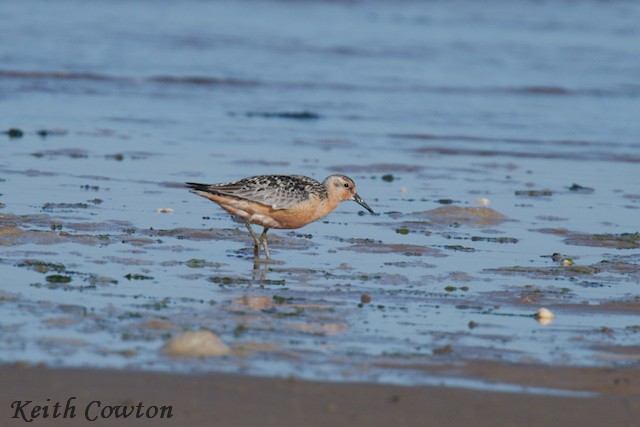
pixel 362 203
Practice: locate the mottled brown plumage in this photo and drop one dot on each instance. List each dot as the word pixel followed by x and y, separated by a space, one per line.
pixel 279 201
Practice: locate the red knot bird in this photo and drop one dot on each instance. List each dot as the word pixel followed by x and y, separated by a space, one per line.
pixel 279 201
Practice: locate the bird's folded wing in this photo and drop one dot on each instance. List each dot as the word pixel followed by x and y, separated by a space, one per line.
pixel 279 192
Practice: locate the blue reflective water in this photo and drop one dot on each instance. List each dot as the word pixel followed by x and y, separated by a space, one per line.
pixel 456 100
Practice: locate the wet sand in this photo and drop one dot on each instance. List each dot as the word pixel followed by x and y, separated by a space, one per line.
pixel 233 400
pixel 496 146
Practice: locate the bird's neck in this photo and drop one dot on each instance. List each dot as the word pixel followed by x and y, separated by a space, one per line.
pixel 326 206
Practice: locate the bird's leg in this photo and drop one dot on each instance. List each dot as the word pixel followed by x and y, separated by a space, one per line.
pixel 256 241
pixel 263 239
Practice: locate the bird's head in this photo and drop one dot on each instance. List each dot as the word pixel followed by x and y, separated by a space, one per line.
pixel 343 188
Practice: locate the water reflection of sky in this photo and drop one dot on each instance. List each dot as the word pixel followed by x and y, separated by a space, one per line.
pixel 482 101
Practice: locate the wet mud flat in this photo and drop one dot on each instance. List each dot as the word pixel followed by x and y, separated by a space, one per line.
pixel 422 293
pixel 496 197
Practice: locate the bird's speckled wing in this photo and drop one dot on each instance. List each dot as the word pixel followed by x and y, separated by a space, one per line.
pixel 277 191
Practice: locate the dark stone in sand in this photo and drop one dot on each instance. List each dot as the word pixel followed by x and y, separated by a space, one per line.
pixel 295 115
pixel 14 133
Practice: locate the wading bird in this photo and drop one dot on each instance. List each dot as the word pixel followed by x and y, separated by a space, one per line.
pixel 279 201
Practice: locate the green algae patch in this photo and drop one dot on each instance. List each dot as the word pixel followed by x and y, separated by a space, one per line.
pixel 41 266
pixel 196 263
pixel 494 239
pixel 459 248
pixel 226 280
pixel 278 299
pixel 137 277
pixel 64 206
pixel 101 280
pixel 58 278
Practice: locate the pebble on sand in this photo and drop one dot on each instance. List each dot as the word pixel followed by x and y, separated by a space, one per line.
pixel 196 344
pixel 544 316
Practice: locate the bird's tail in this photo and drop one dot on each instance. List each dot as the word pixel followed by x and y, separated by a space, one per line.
pixel 198 187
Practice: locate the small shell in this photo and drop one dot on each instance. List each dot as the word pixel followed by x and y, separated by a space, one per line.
pixel 544 316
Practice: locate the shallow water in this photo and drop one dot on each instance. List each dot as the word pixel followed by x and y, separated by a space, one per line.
pixel 426 106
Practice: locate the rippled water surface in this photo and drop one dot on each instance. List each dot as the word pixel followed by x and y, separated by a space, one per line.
pixel 487 136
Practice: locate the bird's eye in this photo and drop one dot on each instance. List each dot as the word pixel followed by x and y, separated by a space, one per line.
pixel 346 185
